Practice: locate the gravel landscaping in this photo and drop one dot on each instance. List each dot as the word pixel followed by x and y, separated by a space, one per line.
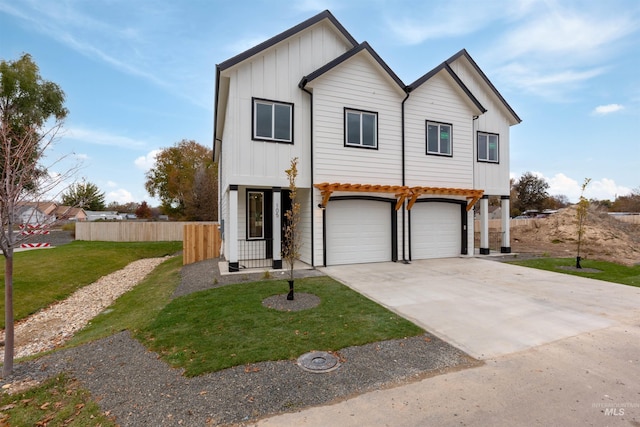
pixel 137 388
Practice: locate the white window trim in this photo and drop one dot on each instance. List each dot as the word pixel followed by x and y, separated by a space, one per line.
pixel 346 128
pixel 439 152
pixel 487 159
pixel 254 120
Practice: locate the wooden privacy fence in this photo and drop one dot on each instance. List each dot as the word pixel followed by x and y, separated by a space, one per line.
pixel 201 241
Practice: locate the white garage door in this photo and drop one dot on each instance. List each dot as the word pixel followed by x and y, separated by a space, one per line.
pixel 435 230
pixel 358 231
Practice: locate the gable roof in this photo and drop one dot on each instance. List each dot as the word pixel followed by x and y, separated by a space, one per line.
pixel 446 67
pixel 285 35
pixel 345 57
pixel 464 54
pixel 260 48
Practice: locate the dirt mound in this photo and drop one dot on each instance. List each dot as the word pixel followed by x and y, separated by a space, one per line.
pixel 605 238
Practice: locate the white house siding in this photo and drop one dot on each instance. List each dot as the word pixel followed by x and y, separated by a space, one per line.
pixel 274 74
pixel 439 100
pixel 361 85
pixel 493 178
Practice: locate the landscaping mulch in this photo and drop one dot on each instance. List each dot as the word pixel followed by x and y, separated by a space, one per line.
pixel 137 388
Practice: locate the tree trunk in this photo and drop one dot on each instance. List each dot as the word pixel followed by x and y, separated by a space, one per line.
pixel 290 294
pixel 7 368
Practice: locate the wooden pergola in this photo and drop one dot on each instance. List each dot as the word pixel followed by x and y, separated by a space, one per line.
pixel 401 192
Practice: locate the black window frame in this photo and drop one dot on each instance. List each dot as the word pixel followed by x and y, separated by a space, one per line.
pixel 426 138
pixel 348 110
pixel 254 118
pixel 487 160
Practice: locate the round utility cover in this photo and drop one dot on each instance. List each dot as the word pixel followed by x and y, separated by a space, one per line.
pixel 318 362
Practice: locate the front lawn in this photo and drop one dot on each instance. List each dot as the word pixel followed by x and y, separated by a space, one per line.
pixel 608 271
pixel 228 326
pixel 44 276
pixel 59 401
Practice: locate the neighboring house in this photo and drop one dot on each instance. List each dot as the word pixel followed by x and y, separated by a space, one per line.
pixel 387 171
pixel 67 213
pixel 36 213
pixel 103 215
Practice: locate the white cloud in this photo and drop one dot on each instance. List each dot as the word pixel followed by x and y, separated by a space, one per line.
pixel 147 162
pixel 548 83
pixel 563 32
pixel 555 48
pixel 98 137
pixel 602 189
pixel 112 184
pixel 440 20
pixel 119 196
pixel 602 110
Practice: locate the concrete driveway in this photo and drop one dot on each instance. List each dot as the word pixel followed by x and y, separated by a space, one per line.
pixel 488 308
pixel 558 349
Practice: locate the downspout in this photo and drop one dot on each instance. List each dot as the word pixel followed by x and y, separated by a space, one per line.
pixel 404 204
pixel 301 85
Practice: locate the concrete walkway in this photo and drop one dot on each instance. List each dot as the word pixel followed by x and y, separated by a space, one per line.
pixel 558 349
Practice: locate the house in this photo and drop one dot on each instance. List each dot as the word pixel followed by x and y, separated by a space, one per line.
pixel 68 213
pixel 35 213
pixel 387 171
pixel 103 216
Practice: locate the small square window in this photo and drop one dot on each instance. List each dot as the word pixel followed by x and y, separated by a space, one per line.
pixel 439 138
pixel 361 129
pixel 488 146
pixel 272 121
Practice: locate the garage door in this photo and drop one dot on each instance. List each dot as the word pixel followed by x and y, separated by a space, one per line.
pixel 435 230
pixel 358 231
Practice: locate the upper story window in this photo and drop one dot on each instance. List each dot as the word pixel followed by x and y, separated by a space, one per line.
pixel 272 121
pixel 439 138
pixel 360 129
pixel 488 147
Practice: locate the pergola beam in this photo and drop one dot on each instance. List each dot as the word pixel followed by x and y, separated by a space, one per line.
pixel 401 192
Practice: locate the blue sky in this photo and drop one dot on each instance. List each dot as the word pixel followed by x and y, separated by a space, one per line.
pixel 139 75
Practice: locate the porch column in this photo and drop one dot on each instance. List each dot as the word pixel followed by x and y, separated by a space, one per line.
pixel 232 229
pixel 484 225
pixel 506 225
pixel 277 228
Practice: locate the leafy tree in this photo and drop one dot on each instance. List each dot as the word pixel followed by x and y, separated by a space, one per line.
pixel 530 192
pixel 123 207
pixel 31 113
pixel 84 195
pixel 628 203
pixel 556 202
pixel 184 178
pixel 143 211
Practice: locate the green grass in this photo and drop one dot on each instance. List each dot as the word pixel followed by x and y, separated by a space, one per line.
pixel 59 401
pixel 228 326
pixel 44 276
pixel 609 271
pixel 137 308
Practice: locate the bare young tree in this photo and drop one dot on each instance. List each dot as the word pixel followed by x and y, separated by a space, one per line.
pixel 581 215
pixel 291 244
pixel 31 114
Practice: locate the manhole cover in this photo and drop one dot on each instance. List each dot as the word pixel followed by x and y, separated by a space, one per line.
pixel 318 362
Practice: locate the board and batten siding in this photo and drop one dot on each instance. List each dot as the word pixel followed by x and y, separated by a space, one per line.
pixel 359 85
pixel 438 100
pixel 491 177
pixel 274 75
